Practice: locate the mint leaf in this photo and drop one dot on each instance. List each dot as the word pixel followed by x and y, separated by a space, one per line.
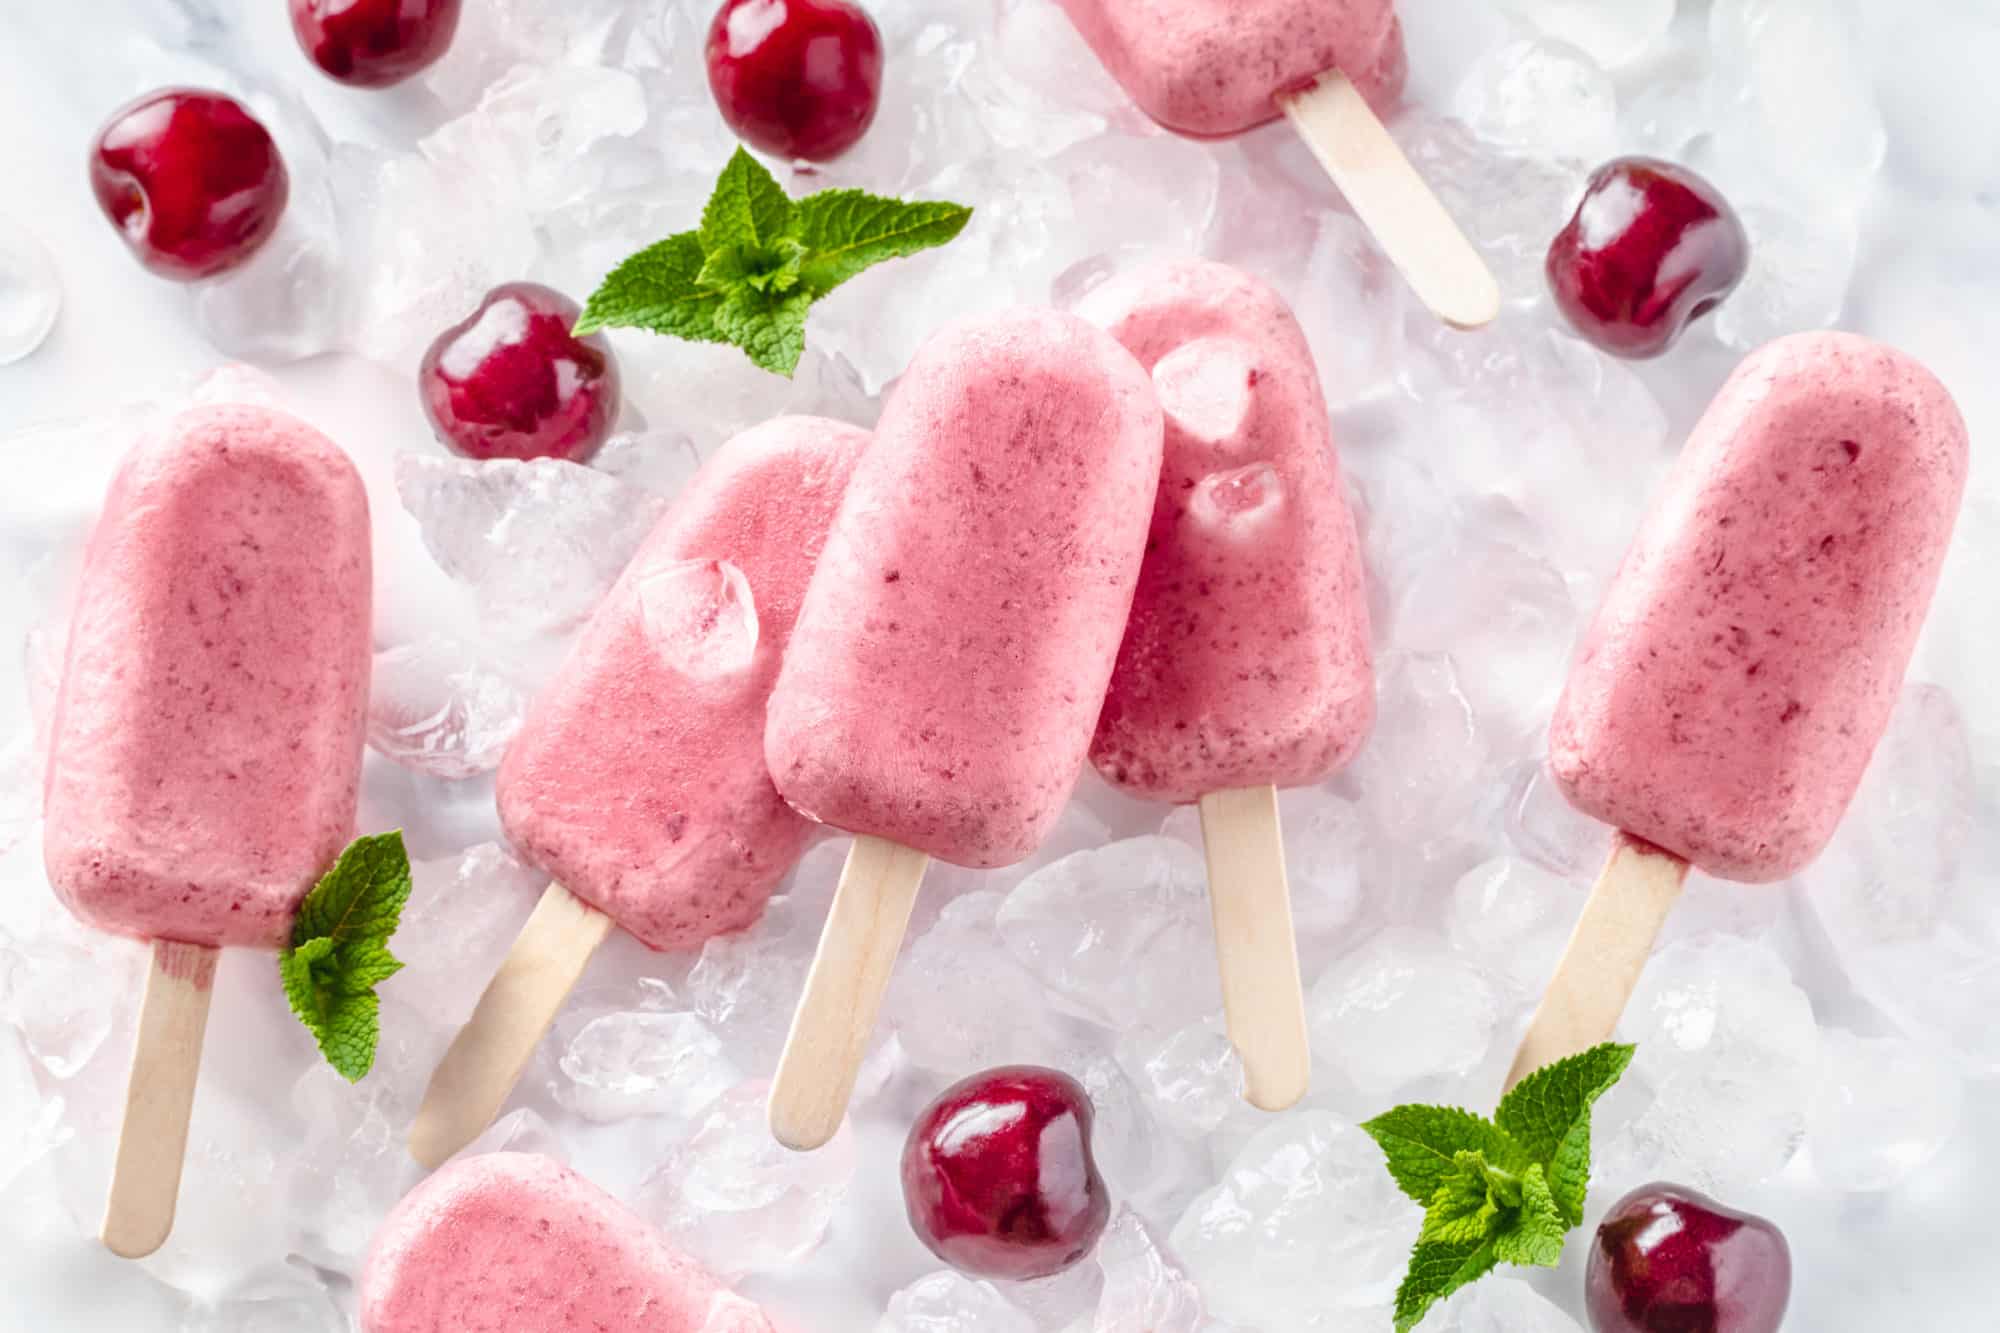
pixel 1548 1114
pixel 1436 1270
pixel 748 207
pixel 847 231
pixel 657 289
pixel 1464 1209
pixel 340 950
pixel 1534 1236
pixel 758 262
pixel 1422 1144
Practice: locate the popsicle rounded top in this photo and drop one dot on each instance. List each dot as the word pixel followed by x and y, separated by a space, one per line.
pixel 510 1242
pixel 952 652
pixel 1745 661
pixel 1209 68
pixel 1247 658
pixel 205 754
pixel 638 780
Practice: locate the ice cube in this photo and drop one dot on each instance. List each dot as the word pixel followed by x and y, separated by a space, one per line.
pixel 30 1120
pixel 64 990
pixel 1204 387
pixel 1883 1108
pixel 537 543
pixel 1144 1290
pixel 1413 771
pixel 661 461
pixel 550 134
pixel 293 1299
pixel 1192 1078
pixel 1123 931
pixel 1542 99
pixel 700 617
pixel 435 708
pixel 745 985
pixel 947 1302
pixel 1544 828
pixel 1499 1305
pixel 1304 1232
pixel 636 1063
pixel 734 1198
pixel 30 292
pixel 463 914
pixel 1401 1008
pixel 289 301
pixel 1611 34
pixel 1238 504
pixel 1800 264
pixel 959 1000
pixel 1513 918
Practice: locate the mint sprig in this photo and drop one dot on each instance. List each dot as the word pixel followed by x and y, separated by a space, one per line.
pixel 759 260
pixel 1503 1190
pixel 340 950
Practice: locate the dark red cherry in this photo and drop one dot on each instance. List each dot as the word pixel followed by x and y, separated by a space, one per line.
pixel 191 180
pixel 1669 1260
pixel 1651 248
pixel 796 78
pixel 374 43
pixel 998 1175
pixel 512 381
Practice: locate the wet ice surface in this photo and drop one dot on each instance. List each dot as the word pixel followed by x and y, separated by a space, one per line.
pixel 1823 1051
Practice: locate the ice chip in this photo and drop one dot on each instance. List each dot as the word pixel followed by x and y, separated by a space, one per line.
pixel 291 1300
pixel 1800 264
pixel 433 708
pixel 1513 918
pixel 951 1303
pixel 701 617
pixel 1193 1077
pixel 1499 1305
pixel 959 1000
pixel 288 302
pixel 1540 98
pixel 1611 34
pixel 1399 1009
pixel 1144 1290
pixel 1205 387
pixel 636 1063
pixel 1239 503
pixel 30 292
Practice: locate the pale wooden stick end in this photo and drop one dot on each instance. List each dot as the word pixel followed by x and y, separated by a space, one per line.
pixel 166 1061
pixel 1256 950
pixel 486 1058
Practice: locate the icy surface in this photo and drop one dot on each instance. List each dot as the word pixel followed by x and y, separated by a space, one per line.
pixel 1823 1051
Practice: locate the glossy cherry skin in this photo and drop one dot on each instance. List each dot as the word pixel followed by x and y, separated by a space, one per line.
pixel 374 43
pixel 512 381
pixel 1669 1260
pixel 796 78
pixel 998 1175
pixel 191 180
pixel 1652 247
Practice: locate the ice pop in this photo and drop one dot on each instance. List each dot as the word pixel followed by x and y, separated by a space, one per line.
pixel 951 656
pixel 638 780
pixel 205 752
pixel 1210 68
pixel 517 1243
pixel 1246 665
pixel 1745 660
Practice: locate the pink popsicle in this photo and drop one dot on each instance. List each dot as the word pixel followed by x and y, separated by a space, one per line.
pixel 206 750
pixel 513 1242
pixel 951 658
pixel 638 781
pixel 1745 660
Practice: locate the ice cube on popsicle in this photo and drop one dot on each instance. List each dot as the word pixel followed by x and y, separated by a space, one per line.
pixel 512 1242
pixel 950 659
pixel 1732 688
pixel 638 780
pixel 205 753
pixel 1246 665
pixel 1210 68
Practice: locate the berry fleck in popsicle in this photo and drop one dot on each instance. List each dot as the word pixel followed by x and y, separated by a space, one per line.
pixel 1744 663
pixel 1246 666
pixel 951 657
pixel 206 750
pixel 638 781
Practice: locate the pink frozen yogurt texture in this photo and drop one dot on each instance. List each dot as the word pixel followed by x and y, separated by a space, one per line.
pixel 952 654
pixel 518 1243
pixel 638 781
pixel 206 748
pixel 1247 658
pixel 1210 68
pixel 1744 664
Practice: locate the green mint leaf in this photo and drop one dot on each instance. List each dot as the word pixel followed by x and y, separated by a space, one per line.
pixel 1464 1210
pixel 1436 1271
pixel 340 950
pixel 770 328
pixel 767 268
pixel 657 289
pixel 847 231
pixel 1422 1144
pixel 1548 1114
pixel 1534 1236
pixel 748 208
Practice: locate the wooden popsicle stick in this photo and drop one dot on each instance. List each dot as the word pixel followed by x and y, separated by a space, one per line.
pixel 843 992
pixel 1606 953
pixel 1393 201
pixel 1255 946
pixel 486 1058
pixel 146 1179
